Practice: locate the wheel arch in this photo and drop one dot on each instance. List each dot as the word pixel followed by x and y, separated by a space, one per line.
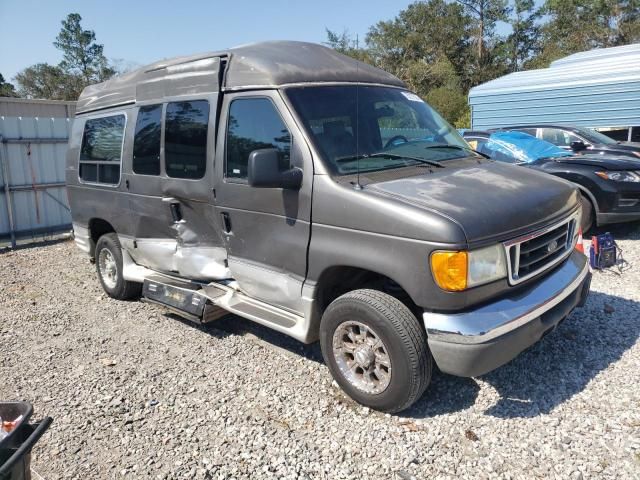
pixel 97 228
pixel 337 280
pixel 590 196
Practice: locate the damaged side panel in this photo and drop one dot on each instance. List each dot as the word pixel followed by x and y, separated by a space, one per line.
pixel 175 227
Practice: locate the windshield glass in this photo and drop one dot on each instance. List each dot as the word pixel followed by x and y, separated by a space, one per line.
pixel 376 127
pixel 594 136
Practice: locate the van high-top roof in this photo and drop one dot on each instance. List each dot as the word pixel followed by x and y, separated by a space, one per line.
pixel 257 65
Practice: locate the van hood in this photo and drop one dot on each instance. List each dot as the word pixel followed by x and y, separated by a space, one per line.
pixel 489 200
pixel 603 161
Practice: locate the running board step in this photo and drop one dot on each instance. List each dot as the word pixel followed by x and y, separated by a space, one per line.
pixel 204 303
pixel 182 298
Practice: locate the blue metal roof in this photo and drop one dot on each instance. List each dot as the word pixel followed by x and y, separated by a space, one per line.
pixel 599 88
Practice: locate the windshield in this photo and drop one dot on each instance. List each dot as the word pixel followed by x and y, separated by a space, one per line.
pixel 594 136
pixel 375 128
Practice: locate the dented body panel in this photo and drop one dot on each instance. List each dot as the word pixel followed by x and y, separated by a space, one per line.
pixel 264 253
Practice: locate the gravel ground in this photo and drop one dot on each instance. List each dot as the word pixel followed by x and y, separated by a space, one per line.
pixel 138 393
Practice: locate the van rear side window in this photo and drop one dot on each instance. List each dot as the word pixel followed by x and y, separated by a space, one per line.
pixel 101 151
pixel 146 143
pixel 185 138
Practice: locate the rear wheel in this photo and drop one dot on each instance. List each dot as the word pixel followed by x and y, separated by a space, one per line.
pixel 376 350
pixel 586 222
pixel 109 268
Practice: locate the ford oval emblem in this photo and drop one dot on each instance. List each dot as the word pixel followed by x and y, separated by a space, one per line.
pixel 552 246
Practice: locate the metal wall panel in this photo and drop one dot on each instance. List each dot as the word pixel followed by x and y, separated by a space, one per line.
pixel 33 198
pixel 26 107
pixel 600 88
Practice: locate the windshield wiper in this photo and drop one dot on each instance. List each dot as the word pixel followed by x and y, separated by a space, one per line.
pixel 458 147
pixel 394 156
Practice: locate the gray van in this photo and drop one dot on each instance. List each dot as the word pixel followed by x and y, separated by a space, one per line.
pixel 316 195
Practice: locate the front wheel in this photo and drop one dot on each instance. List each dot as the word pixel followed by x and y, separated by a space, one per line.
pixel 586 222
pixel 109 267
pixel 376 350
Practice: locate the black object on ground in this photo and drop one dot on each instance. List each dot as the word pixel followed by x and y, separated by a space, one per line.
pixel 15 448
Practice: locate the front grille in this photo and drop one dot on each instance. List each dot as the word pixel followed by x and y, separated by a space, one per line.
pixel 532 254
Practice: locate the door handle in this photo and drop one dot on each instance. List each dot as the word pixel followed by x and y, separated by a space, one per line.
pixel 174 206
pixel 176 212
pixel 226 222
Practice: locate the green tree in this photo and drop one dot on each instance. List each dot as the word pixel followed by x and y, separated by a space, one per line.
pixel 347 45
pixel 523 42
pixel 81 55
pixel 6 88
pixel 450 103
pixel 578 25
pixel 83 63
pixel 45 81
pixel 486 14
pixel 428 46
pixel 625 21
pixel 422 33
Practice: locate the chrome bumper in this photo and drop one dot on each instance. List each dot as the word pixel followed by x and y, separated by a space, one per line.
pixel 491 335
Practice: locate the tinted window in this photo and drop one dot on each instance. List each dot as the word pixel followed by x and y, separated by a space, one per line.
pixel 146 144
pixel 185 138
pixel 611 136
pixel 101 150
pixel 254 123
pixel 594 136
pixel 558 137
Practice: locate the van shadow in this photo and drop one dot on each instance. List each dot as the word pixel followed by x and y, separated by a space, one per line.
pixel 541 378
pixel 550 372
pixel 235 325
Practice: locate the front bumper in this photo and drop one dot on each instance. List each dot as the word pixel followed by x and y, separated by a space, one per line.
pixel 475 342
pixel 605 218
pixel 617 202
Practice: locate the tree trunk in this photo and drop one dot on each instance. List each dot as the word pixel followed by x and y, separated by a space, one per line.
pixel 481 37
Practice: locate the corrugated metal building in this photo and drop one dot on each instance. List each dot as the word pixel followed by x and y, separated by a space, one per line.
pixel 598 89
pixel 33 145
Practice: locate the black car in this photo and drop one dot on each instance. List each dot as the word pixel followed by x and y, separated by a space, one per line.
pixel 610 185
pixel 577 139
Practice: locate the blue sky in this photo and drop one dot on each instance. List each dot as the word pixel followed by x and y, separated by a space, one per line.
pixel 144 31
pixel 137 32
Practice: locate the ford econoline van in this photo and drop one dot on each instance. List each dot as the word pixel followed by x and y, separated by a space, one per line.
pixel 316 195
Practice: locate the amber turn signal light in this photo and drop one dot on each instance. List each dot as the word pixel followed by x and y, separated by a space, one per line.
pixel 450 270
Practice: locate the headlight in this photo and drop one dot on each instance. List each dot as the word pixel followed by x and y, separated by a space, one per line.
pixel 456 271
pixel 622 176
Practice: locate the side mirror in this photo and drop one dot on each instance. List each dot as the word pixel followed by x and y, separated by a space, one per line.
pixel 264 171
pixel 578 146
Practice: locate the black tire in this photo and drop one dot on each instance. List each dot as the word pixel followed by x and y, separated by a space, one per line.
pixel 113 283
pixel 586 222
pixel 404 339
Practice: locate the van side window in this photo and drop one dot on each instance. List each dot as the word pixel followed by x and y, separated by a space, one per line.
pixel 101 150
pixel 146 143
pixel 254 123
pixel 185 138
